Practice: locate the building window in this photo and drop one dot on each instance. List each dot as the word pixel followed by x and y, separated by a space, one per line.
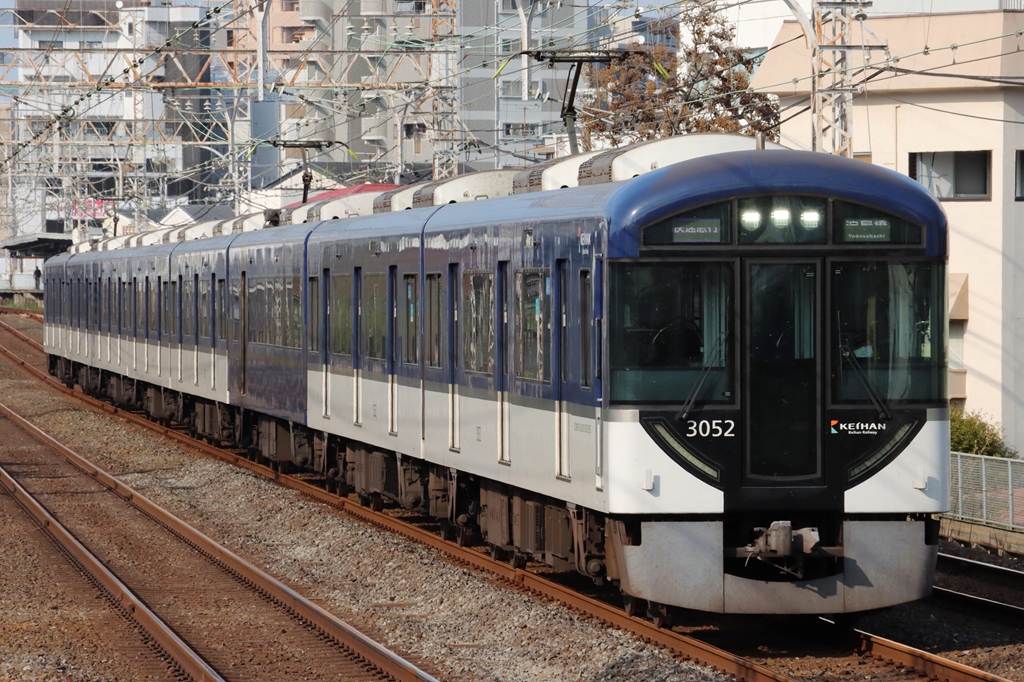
pixel 290 5
pixel 51 45
pixel 92 45
pixel 862 156
pixel 522 129
pixel 510 46
pixel 293 34
pixel 1019 165
pixel 953 175
pixel 511 88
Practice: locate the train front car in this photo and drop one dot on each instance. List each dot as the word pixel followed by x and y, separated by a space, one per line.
pixel 776 385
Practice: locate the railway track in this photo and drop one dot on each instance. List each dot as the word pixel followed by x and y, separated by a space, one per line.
pixel 913 662
pixel 34 314
pixel 1002 589
pixel 216 616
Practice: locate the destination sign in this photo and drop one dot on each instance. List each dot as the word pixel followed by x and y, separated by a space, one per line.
pixel 697 231
pixel 858 230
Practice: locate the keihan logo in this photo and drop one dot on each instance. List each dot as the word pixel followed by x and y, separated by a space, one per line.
pixel 856 428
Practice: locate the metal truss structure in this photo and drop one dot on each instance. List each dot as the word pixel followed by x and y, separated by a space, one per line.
pixel 161 120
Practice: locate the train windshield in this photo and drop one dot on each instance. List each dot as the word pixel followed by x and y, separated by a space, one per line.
pixel 670 326
pixel 888 320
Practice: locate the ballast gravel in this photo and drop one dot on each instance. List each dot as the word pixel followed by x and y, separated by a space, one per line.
pixel 409 597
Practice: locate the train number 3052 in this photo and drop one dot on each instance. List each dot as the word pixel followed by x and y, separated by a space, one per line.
pixel 711 428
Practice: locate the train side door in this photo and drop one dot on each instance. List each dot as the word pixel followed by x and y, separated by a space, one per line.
pixel 561 365
pixel 324 302
pixel 504 359
pixel 243 336
pixel 453 356
pixel 357 349
pixel 393 349
pixel 783 434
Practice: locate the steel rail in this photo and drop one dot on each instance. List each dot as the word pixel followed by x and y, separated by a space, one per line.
pixel 926 664
pixel 325 622
pixel 981 602
pixel 982 566
pixel 181 655
pixel 35 314
pixel 686 647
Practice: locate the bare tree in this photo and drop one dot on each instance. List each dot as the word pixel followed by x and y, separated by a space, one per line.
pixel 690 78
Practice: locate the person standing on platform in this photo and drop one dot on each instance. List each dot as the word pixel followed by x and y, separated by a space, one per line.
pixel 38 276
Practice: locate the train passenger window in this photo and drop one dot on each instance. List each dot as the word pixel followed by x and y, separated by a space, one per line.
pixel 103 304
pixel 139 304
pixel 188 308
pixel 222 307
pixel 586 322
pixel 888 324
pixel 782 220
pixel 341 314
pixel 411 320
pixel 295 311
pixel 313 306
pixel 172 310
pixel 478 322
pixel 124 314
pixel 204 309
pixel 152 309
pixel 668 333
pixel 253 314
pixel 373 318
pixel 275 322
pixel 432 301
pixel 533 324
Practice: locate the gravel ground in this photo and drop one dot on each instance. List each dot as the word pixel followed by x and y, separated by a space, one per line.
pixel 409 597
pixel 54 624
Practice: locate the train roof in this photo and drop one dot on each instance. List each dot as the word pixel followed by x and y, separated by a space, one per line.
pixel 712 178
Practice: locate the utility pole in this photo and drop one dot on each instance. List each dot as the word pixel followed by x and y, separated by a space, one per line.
pixel 577 58
pixel 442 80
pixel 828 33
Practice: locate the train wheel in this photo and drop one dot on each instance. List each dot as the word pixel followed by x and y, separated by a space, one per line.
pixel 364 500
pixel 447 530
pixel 497 553
pixel 659 615
pixel 633 606
pixel 518 560
pixel 376 502
pixel 465 537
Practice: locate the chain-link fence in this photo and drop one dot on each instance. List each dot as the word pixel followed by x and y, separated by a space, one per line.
pixel 987 490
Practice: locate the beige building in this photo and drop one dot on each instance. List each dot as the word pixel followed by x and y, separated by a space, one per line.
pixel 946 109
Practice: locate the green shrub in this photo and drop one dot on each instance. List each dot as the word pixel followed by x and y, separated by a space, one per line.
pixel 972 433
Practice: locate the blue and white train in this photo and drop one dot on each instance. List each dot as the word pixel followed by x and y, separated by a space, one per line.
pixel 720 384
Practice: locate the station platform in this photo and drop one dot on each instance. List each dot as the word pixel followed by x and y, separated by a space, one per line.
pixel 995 540
pixel 29 299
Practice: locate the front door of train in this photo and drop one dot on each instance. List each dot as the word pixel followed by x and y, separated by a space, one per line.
pixel 782 372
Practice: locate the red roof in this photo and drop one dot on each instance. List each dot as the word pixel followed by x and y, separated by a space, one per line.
pixel 344 192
